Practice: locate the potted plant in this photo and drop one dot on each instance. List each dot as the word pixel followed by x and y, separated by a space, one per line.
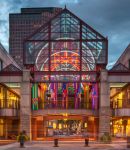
pixel 106 138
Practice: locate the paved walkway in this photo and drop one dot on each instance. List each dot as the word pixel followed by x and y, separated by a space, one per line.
pixel 65 146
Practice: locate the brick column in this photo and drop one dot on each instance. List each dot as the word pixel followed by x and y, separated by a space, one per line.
pixel 104 104
pixel 25 103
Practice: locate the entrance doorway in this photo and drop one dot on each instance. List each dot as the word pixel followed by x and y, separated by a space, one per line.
pixel 65 126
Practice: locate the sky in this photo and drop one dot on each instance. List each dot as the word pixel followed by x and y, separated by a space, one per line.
pixel 111 18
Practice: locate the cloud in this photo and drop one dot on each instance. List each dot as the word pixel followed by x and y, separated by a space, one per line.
pixel 109 17
pixel 68 1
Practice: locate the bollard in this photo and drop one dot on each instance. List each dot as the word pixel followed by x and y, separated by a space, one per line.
pixel 128 141
pixel 86 142
pixel 56 143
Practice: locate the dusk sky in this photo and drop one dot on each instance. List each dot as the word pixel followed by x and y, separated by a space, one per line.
pixel 109 17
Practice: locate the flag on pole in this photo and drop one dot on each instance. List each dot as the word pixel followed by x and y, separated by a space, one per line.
pixel 64 94
pixel 75 92
pixel 79 91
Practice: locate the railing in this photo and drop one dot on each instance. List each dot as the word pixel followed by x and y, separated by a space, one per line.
pixel 65 105
pixel 9 104
pixel 9 112
pixel 121 112
pixel 125 103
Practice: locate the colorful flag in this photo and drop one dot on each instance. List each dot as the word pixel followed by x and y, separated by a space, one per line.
pixel 79 91
pixel 64 94
pixel 53 90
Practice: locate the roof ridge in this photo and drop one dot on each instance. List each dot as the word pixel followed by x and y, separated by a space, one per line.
pixel 124 52
pixel 116 67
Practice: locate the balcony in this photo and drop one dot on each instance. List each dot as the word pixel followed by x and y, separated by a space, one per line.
pixel 60 104
pixel 9 112
pixel 120 112
pixel 70 108
pixel 87 112
pixel 9 107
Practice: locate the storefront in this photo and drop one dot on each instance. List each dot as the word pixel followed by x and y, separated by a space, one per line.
pixel 64 126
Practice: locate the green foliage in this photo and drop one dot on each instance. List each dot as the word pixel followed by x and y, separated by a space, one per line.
pixel 24 137
pixel 106 138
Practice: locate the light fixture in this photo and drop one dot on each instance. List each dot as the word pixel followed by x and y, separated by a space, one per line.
pixel 60 126
pixel 54 125
pixel 65 114
pixel 49 123
pixel 85 125
pixel 65 119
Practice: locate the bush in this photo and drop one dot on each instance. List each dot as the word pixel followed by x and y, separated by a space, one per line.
pixel 106 138
pixel 24 137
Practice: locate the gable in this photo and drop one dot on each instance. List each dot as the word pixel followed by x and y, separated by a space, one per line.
pixel 11 68
pixel 125 57
pixel 65 22
pixel 66 32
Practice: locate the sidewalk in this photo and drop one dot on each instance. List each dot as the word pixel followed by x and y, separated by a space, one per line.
pixel 9 146
pixel 47 145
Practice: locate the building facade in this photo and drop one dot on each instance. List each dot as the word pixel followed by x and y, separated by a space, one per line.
pixel 23 24
pixel 63 88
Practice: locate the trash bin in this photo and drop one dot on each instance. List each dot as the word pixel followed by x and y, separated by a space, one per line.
pixel 128 141
pixel 86 142
pixel 55 142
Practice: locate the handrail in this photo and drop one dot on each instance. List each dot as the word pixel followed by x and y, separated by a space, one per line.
pixel 64 105
pixel 9 103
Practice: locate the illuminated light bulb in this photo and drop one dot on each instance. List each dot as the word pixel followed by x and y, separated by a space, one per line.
pixel 65 114
pixel 54 125
pixel 60 126
pixel 49 123
pixel 85 125
pixel 65 125
pixel 65 119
